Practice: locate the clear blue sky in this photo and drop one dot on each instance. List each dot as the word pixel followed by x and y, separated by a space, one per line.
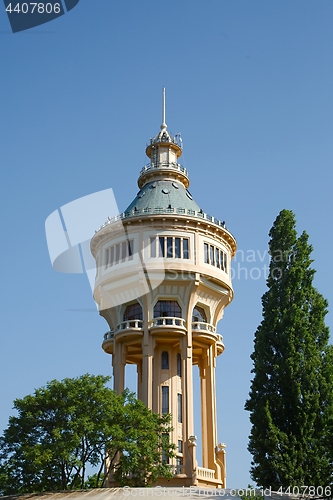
pixel 249 86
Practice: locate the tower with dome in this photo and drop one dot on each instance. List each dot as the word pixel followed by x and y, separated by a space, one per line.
pixel 163 281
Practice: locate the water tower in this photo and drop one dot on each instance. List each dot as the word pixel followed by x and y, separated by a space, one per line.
pixel 163 281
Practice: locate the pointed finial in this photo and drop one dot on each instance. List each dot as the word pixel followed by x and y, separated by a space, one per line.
pixel 164 125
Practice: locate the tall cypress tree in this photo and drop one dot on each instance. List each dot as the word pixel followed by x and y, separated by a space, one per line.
pixel 290 400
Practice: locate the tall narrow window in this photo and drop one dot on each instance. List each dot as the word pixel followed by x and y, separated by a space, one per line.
pixel 165 360
pixel 180 408
pixel 206 253
pixel 225 263
pixel 221 260
pixel 177 248
pixel 179 365
pixel 161 247
pixel 165 399
pixel 180 446
pixel 211 254
pixel 185 249
pixel 169 248
pixel 130 249
pixel 217 257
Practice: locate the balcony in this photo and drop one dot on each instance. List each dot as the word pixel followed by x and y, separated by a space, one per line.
pixel 168 323
pixel 207 333
pixel 108 341
pixel 203 473
pixel 164 165
pixel 133 324
pixel 130 329
pixel 108 335
pixel 200 325
pixel 219 344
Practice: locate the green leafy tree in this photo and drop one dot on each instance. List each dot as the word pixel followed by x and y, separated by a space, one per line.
pixel 290 398
pixel 66 426
pixel 145 435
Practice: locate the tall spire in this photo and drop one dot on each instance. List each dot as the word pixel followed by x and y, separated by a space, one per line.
pixel 163 125
pixel 163 152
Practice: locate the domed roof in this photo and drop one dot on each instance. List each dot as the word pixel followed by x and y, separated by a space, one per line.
pixel 166 193
pixel 163 185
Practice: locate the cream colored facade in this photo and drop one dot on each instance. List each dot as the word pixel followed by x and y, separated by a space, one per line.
pixel 163 281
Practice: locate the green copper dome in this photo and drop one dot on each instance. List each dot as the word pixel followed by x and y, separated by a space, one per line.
pixel 165 194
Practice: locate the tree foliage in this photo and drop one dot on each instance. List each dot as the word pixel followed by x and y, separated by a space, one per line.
pixel 67 426
pixel 290 398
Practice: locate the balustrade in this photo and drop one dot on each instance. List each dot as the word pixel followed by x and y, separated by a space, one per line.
pixel 130 324
pixel 168 321
pixel 164 164
pixel 200 325
pixel 108 335
pixel 203 473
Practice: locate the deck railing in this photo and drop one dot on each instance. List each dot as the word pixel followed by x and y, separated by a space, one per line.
pixel 109 335
pixel 167 321
pixel 200 325
pixel 130 324
pixel 219 338
pixel 137 324
pixel 164 164
pixel 163 210
pixel 203 473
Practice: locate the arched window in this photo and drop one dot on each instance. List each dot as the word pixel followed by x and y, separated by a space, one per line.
pixel 167 308
pixel 134 311
pixel 199 315
pixel 165 360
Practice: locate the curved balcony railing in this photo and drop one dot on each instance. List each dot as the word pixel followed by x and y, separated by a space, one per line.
pixel 109 335
pixel 201 325
pixel 130 324
pixel 168 321
pixel 164 210
pixel 164 164
pixel 219 338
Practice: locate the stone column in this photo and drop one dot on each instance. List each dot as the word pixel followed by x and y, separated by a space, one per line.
pixel 208 407
pixel 147 369
pixel 189 446
pixel 139 372
pixel 118 363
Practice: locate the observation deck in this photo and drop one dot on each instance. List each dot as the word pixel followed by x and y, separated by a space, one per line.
pixel 162 170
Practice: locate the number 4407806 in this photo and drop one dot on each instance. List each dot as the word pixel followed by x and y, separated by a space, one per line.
pixel 36 7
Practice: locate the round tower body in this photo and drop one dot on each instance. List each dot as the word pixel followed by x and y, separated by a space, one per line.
pixel 163 281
